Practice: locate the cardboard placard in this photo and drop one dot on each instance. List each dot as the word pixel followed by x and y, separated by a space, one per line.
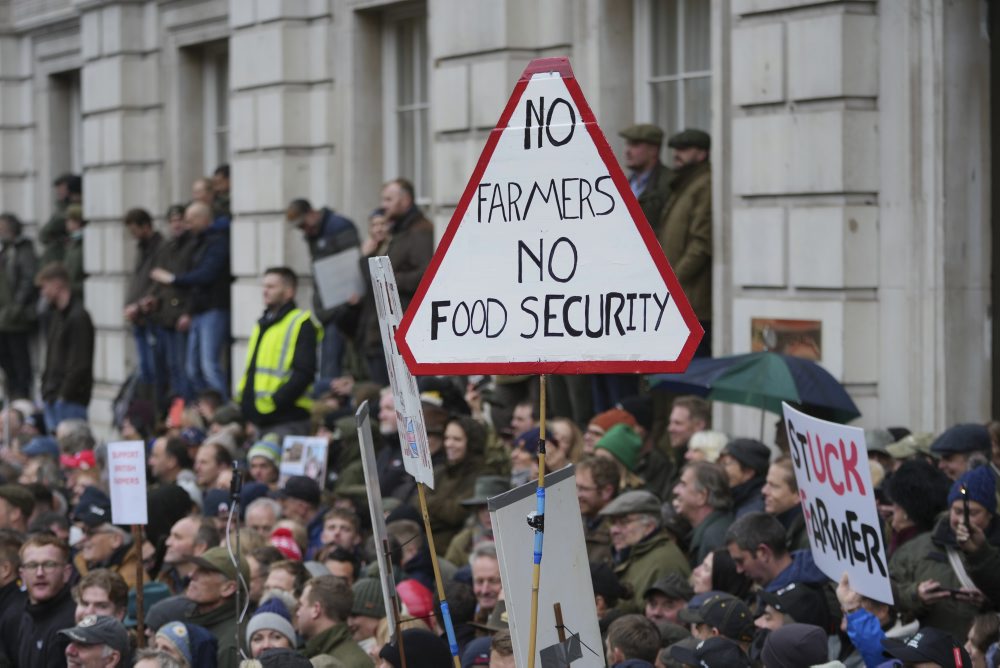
pixel 127 482
pixel 304 455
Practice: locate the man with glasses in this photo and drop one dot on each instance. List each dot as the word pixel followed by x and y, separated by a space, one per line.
pixel 97 642
pixel 104 545
pixel 31 632
pixel 641 551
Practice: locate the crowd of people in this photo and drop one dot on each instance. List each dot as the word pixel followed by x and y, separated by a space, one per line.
pixel 698 547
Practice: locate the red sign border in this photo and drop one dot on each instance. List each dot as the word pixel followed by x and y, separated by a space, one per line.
pixel 562 66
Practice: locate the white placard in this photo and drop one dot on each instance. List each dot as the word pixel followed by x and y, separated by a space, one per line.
pixel 127 481
pixel 565 573
pixel 409 413
pixel 548 264
pixel 838 501
pixel 304 455
pixel 379 535
pixel 338 277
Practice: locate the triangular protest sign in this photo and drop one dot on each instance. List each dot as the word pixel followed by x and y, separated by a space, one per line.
pixel 548 265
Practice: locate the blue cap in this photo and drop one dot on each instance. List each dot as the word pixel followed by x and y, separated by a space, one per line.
pixel 962 439
pixel 93 508
pixel 216 502
pixel 41 446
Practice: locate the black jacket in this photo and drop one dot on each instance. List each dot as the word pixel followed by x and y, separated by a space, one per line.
pixel 208 279
pixel 335 235
pixel 37 641
pixel 69 356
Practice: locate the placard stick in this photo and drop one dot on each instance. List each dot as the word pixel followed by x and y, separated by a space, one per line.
pixel 445 613
pixel 539 526
pixel 394 607
pixel 560 629
pixel 139 615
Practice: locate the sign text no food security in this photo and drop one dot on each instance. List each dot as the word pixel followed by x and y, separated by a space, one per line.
pixel 548 265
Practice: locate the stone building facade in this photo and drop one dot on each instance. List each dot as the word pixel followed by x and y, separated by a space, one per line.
pixel 851 148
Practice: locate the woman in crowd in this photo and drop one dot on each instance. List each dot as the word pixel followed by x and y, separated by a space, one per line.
pixel 464 444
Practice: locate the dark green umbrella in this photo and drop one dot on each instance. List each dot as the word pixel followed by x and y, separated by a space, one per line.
pixel 764 380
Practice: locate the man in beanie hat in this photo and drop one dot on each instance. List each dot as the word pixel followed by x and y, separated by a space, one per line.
pixel 957 444
pixel 366 612
pixel 642 551
pixel 270 627
pixel 321 619
pixel 601 423
pixel 622 443
pixel 423 650
pixel 931 572
pixel 918 491
pixel 745 462
pixel 264 460
pixel 212 588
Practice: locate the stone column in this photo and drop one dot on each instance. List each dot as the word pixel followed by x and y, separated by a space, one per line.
pixel 281 120
pixel 122 168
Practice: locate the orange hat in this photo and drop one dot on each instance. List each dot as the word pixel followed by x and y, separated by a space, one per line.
pixel 609 419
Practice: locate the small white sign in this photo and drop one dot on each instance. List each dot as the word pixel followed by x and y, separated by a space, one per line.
pixel 127 479
pixel 304 455
pixel 406 394
pixel 338 277
pixel 565 573
pixel 838 501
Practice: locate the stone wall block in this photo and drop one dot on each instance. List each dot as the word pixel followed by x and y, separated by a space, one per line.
pixel 16 156
pixel 461 27
pixel 759 247
pixel 453 162
pixel 744 7
pixel 247 307
pixel 105 298
pixel 491 82
pixel 861 342
pixel 243 121
pixel 834 247
pixel 243 247
pixel 833 56
pixel 758 64
pixel 15 103
pixel 450 86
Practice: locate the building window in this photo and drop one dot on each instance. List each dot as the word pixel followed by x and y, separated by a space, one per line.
pixel 215 105
pixel 405 64
pixel 673 62
pixel 67 123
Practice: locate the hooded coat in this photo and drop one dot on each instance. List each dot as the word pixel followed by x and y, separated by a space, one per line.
pixel 454 481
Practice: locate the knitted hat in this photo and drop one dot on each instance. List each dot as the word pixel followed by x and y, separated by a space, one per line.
pixel 282 539
pixel 920 489
pixel 368 599
pixel 176 634
pixel 272 615
pixel 268 447
pixel 528 441
pixel 423 650
pixel 981 487
pixel 622 442
pixel 609 419
pixel 750 453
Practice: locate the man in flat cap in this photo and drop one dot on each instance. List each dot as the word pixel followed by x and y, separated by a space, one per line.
pixel 642 551
pixel 212 588
pixel 685 227
pixel 648 176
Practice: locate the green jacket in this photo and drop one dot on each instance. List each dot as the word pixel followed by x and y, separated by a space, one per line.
pixel 73 260
pixel 452 483
pixel 646 562
pixel 18 266
pixel 685 234
pixel 337 642
pixel 709 535
pixel 655 194
pixel 925 558
pixel 52 235
pixel 221 623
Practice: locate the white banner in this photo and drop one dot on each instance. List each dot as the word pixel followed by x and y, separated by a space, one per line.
pixel 127 480
pixel 835 486
pixel 409 413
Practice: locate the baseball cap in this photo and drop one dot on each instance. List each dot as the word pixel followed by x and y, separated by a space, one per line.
pixel 636 501
pixel 716 652
pixel 41 446
pixel 93 508
pixel 803 603
pixel 302 488
pixel 100 630
pixel 730 615
pixel 217 559
pixel 928 644
pixel 692 613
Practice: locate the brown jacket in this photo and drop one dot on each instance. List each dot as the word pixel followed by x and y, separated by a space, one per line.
pixel 126 565
pixel 685 234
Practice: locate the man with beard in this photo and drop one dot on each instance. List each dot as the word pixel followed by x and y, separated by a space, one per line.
pixel 685 230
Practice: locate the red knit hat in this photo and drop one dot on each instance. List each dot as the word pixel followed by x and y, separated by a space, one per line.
pixel 282 539
pixel 609 419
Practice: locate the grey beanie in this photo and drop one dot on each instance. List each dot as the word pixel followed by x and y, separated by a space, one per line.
pixel 272 615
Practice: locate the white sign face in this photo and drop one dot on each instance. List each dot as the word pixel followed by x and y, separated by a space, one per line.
pixel 379 534
pixel 548 265
pixel 127 481
pixel 304 455
pixel 838 501
pixel 339 277
pixel 565 574
pixel 405 393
